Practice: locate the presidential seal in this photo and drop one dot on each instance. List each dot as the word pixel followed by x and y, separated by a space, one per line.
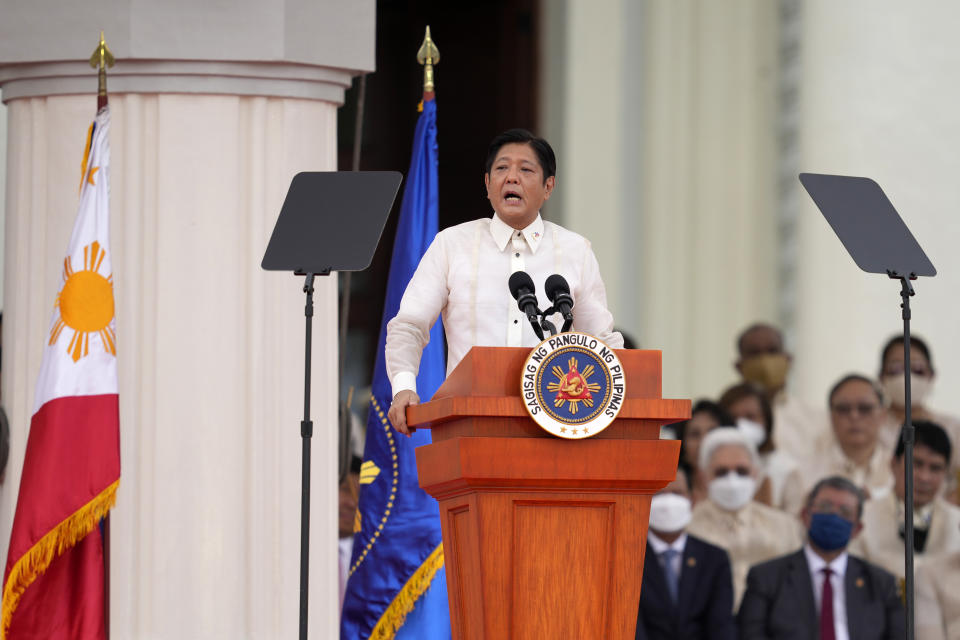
pixel 572 385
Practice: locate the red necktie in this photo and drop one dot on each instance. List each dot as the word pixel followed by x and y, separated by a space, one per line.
pixel 826 607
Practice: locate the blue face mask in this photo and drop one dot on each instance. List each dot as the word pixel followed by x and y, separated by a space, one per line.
pixel 829 531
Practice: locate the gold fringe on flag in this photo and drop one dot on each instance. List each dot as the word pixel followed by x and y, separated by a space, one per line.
pixel 38 557
pixel 395 615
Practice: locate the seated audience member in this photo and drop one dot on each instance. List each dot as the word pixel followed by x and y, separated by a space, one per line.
pixel 730 518
pixel 349 500
pixel 687 589
pixel 821 591
pixel 750 408
pixel 705 416
pixel 938 599
pixel 936 522
pixel 763 361
pixel 853 450
pixel 922 377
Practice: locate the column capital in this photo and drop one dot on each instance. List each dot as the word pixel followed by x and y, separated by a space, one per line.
pixel 277 48
pixel 272 79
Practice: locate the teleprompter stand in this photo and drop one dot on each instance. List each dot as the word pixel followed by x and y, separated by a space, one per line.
pixel 329 222
pixel 879 242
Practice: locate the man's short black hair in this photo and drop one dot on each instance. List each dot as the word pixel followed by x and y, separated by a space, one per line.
pixel 915 343
pixel 930 435
pixel 850 377
pixel 842 484
pixel 754 327
pixel 545 155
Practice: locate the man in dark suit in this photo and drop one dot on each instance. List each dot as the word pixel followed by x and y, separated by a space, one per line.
pixel 687 591
pixel 821 592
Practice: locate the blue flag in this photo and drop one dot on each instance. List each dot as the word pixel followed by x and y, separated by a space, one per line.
pixel 397 586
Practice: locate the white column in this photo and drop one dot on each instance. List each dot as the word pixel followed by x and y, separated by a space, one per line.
pixel 878 100
pixel 205 534
pixel 708 243
pixel 590 172
pixel 667 163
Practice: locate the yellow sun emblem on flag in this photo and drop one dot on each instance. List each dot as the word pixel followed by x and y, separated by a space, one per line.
pixel 85 304
pixel 572 386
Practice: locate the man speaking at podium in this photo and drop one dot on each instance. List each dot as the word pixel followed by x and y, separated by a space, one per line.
pixel 464 273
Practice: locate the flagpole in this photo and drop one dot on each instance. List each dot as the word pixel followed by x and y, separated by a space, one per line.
pixel 345 452
pixel 397 578
pixel 100 60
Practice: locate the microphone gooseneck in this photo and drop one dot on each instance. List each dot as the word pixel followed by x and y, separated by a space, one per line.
pixel 525 293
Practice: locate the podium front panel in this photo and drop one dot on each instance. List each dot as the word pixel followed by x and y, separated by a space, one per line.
pixel 543 537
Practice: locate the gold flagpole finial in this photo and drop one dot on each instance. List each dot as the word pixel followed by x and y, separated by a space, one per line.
pixel 428 55
pixel 101 59
pixel 102 56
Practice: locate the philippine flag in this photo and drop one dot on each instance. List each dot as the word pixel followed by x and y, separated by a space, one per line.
pixel 54 579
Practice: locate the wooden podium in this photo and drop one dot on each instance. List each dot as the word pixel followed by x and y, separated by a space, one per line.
pixel 543 537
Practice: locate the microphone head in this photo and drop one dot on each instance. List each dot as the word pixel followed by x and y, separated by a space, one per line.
pixel 556 284
pixel 520 280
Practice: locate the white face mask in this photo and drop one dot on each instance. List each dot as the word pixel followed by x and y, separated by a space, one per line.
pixel 753 431
pixel 732 492
pixel 894 388
pixel 669 512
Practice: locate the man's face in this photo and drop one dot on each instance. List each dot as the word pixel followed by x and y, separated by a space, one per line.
pixel 856 414
pixel 929 472
pixel 831 500
pixel 760 341
pixel 515 185
pixel 730 458
pixel 762 360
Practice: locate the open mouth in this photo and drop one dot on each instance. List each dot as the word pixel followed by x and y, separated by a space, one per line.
pixel 512 196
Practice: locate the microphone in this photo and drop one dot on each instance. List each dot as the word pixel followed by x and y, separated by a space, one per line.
pixel 524 292
pixel 558 292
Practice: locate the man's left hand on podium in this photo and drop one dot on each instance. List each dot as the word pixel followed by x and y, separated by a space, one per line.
pixel 398 410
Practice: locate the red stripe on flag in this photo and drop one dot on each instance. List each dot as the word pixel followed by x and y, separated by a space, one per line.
pixel 66 602
pixel 70 469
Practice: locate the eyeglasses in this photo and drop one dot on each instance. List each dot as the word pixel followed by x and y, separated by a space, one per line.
pixel 719 472
pixel 862 408
pixel 845 512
